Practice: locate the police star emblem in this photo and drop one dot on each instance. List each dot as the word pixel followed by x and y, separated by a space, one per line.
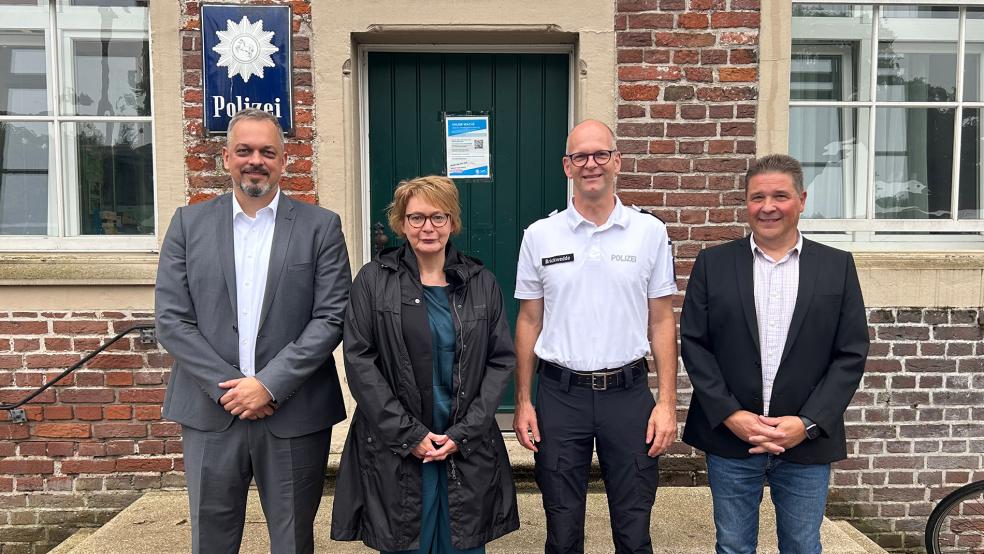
pixel 245 48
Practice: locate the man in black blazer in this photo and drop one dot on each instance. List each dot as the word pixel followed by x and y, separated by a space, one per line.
pixel 774 338
pixel 250 298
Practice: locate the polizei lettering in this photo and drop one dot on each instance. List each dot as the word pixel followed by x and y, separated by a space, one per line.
pixel 230 108
pixel 557 259
pixel 623 258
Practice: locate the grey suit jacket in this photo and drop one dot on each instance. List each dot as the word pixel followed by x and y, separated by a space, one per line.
pixel 300 322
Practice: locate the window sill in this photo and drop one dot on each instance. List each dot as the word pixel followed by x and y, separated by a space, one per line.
pixel 78 268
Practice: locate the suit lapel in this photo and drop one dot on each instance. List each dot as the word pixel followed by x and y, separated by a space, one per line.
pixel 278 252
pixel 808 266
pixel 227 252
pixel 746 287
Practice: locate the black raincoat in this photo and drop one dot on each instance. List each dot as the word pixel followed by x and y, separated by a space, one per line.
pixel 388 365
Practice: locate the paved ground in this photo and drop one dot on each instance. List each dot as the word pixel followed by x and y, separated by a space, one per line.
pixel 682 524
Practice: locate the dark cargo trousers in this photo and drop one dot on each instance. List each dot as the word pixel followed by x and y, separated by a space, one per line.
pixel 574 419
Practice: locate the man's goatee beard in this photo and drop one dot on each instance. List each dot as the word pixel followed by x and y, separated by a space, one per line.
pixel 254 191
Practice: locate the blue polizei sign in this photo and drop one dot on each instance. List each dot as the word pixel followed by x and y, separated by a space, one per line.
pixel 247 62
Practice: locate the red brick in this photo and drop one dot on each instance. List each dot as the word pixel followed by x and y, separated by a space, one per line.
pixel 638 92
pixel 629 55
pixel 691 129
pixel 636 39
pixel 708 4
pixel 662 164
pixel 26 345
pixel 114 430
pixel 650 21
pixel 662 147
pixel 720 146
pixel 726 94
pixel 89 378
pixel 743 56
pixel 10 362
pixel 693 199
pixel 119 378
pixel 640 198
pixel 60 448
pixel 735 19
pixel 116 361
pixel 737 129
pixel 684 40
pixel 673 93
pixel 639 129
pixel 51 360
pixel 656 56
pixel 62 430
pixel 299 149
pixel 691 147
pixel 153 396
pixel 100 396
pixel 713 56
pixel 117 412
pixel 26 467
pixel 58 412
pixel 629 111
pixel 692 21
pixel 699 74
pixel 144 464
pixel 13 431
pixel 743 74
pixel 147 413
pixel 716 232
pixel 81 327
pixel 54 344
pixel 165 429
pixel 23 327
pixel 693 111
pixel 92 449
pixel 636 5
pixel 682 57
pixel 88 466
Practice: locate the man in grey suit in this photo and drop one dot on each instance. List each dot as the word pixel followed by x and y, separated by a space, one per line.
pixel 250 298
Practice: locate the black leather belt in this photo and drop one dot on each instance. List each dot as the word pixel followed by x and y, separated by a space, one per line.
pixel 597 380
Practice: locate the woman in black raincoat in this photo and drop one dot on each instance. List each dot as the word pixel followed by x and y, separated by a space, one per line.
pixel 428 354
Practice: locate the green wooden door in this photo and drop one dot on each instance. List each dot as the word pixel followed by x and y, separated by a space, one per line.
pixel 526 96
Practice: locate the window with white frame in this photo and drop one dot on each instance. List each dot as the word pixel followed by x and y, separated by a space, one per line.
pixel 885 115
pixel 76 127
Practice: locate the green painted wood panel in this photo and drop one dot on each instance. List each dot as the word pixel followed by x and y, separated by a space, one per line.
pixel 527 98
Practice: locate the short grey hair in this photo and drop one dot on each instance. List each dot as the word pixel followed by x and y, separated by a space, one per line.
pixel 777 163
pixel 255 115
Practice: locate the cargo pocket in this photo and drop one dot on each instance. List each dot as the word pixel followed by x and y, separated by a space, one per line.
pixel 647 478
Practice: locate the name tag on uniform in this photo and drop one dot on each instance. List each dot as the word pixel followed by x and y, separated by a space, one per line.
pixel 563 258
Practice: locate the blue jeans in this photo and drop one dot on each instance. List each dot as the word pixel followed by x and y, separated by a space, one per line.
pixel 799 493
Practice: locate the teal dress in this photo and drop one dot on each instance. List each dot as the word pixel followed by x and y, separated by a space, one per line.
pixel 435 531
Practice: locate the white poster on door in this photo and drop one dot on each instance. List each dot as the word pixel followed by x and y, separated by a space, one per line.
pixel 467 147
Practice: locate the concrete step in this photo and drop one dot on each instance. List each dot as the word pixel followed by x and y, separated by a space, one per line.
pixel 681 524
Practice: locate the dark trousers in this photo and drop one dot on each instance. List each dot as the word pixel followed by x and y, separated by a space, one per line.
pixel 289 475
pixel 572 421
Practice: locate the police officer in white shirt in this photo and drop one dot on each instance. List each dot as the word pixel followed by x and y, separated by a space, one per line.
pixel 595 284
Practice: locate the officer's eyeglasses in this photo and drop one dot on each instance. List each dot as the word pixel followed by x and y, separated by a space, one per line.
pixel 437 220
pixel 601 157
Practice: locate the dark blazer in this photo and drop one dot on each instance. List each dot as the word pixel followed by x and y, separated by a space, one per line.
pixel 821 364
pixel 300 321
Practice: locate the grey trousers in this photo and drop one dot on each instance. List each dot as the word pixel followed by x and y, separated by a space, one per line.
pixel 289 475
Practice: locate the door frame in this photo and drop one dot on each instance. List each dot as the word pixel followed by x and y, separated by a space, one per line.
pixel 363 115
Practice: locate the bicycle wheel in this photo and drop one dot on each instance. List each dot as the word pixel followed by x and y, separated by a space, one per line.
pixel 956 526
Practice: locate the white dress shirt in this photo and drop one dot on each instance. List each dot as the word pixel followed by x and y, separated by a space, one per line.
pixel 253 238
pixel 776 287
pixel 595 282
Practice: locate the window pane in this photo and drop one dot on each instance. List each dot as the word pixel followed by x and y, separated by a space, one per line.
pixel 913 163
pixel 917 54
pixel 112 77
pixel 830 143
pixel 974 55
pixel 113 170
pixel 831 52
pixel 23 74
pixel 26 185
pixel 971 168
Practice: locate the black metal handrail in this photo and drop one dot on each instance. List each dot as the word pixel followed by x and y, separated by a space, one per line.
pixel 80 363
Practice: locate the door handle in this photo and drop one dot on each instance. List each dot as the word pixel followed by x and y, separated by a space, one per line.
pixel 379 239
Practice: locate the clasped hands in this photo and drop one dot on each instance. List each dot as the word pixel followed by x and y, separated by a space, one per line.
pixel 773 435
pixel 247 398
pixel 434 448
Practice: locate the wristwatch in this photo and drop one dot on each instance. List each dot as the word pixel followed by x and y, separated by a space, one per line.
pixel 812 431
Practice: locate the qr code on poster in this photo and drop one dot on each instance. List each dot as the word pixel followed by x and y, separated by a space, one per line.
pixel 479 143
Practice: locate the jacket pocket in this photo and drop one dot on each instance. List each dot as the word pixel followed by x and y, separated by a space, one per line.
pixel 304 266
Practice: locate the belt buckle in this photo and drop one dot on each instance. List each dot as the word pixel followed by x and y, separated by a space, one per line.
pixel 595 381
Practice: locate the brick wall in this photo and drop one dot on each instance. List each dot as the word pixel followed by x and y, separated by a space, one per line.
pixel 203 160
pixel 94 442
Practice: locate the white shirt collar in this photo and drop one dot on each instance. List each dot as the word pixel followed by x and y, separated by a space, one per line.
pixel 271 207
pixel 798 247
pixel 619 215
